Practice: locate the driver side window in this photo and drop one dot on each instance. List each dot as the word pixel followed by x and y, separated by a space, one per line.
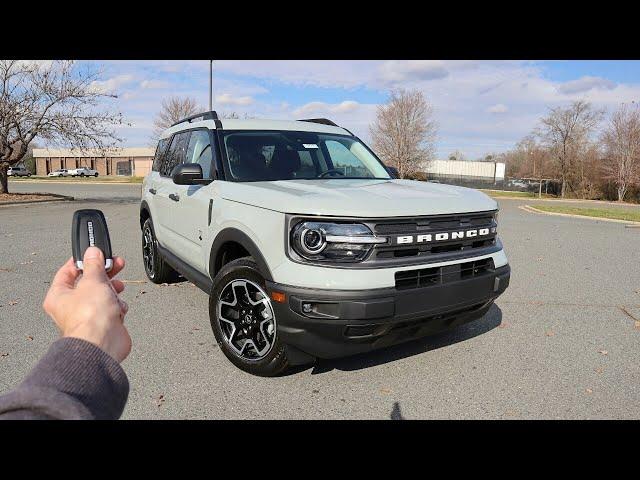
pixel 200 151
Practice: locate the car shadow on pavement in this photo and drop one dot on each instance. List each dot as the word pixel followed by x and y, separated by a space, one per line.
pixel 491 320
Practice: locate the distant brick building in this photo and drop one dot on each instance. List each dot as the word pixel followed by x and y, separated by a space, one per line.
pixel 135 161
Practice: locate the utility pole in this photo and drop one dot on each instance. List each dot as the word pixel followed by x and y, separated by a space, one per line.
pixel 210 85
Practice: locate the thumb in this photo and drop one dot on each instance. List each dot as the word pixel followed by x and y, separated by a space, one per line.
pixel 93 265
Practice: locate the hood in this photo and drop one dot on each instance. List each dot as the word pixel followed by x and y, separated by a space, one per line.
pixel 358 198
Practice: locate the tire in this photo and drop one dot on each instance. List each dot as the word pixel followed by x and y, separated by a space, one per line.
pixel 157 270
pixel 95 174
pixel 265 359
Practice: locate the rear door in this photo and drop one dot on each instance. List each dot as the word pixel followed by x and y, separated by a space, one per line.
pixel 165 198
pixel 152 180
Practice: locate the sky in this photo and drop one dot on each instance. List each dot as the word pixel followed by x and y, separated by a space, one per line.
pixel 481 107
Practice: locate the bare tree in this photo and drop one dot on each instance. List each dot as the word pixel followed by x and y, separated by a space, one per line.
pixel 457 156
pixel 54 101
pixel 621 142
pixel 566 132
pixel 404 132
pixel 173 109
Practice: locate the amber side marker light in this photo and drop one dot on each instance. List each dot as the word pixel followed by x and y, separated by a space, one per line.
pixel 278 297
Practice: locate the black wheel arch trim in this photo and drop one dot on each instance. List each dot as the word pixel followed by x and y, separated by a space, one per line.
pixel 231 234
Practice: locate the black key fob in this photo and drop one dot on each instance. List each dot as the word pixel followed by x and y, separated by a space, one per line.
pixel 89 229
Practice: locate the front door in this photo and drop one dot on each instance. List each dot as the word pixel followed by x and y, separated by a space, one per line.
pixel 192 210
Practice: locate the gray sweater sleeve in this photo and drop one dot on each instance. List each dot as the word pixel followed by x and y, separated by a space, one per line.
pixel 74 380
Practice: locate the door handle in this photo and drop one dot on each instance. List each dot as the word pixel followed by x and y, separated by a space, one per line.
pixel 152 191
pixel 174 197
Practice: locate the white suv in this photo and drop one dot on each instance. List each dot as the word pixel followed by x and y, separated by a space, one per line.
pixel 83 172
pixel 307 245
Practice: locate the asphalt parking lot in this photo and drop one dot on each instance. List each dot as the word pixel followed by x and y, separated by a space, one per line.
pixel 562 342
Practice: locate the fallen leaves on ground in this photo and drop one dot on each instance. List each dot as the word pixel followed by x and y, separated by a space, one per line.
pixel 599 370
pixel 550 333
pixel 588 390
pixel 4 354
pixel 13 302
pixel 385 390
pixel 5 270
pixel 160 401
pixel 637 325
pixel 603 352
pixel 34 253
pixel 29 337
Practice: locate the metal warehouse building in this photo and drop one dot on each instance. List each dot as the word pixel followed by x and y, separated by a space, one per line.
pixel 135 161
pixel 462 172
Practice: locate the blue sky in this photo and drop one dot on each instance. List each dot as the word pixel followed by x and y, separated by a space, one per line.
pixel 481 107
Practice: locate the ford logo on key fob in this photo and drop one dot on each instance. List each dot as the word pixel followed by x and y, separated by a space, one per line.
pixel 89 229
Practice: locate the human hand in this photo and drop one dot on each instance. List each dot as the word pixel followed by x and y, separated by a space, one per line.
pixel 86 305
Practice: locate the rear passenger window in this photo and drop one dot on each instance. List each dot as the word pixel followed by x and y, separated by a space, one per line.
pixel 176 154
pixel 200 151
pixel 160 151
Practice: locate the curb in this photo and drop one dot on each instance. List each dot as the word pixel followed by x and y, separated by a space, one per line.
pixel 570 200
pixel 530 209
pixel 57 198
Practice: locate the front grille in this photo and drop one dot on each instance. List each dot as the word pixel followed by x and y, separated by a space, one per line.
pixel 426 277
pixel 432 225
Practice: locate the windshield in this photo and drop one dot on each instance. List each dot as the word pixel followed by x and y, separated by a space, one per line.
pixel 259 156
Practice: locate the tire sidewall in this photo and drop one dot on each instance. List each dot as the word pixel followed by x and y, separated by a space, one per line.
pixel 275 361
pixel 149 224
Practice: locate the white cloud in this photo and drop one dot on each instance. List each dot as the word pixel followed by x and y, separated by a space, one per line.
pixel 154 84
pixel 228 99
pixel 585 84
pixel 498 108
pixel 395 71
pixel 112 84
pixel 311 108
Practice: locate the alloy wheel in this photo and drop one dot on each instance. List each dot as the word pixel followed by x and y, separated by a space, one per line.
pixel 246 319
pixel 148 251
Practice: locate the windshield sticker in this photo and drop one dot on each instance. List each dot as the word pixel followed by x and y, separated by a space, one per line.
pixel 309 145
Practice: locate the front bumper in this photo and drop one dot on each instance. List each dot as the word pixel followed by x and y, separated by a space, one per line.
pixel 336 323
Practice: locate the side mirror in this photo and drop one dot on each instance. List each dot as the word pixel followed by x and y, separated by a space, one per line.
pixel 393 171
pixel 188 174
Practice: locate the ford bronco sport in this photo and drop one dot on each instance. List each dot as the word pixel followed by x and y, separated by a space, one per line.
pixel 306 244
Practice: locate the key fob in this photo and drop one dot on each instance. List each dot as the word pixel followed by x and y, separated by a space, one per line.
pixel 89 229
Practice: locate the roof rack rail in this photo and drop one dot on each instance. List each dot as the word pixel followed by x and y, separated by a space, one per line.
pixel 212 115
pixel 324 121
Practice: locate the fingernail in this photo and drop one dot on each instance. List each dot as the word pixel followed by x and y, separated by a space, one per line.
pixel 92 252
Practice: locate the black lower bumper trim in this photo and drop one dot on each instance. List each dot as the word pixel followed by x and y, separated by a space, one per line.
pixel 336 323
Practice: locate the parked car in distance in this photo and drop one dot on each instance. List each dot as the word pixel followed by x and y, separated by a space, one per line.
pixel 83 172
pixel 18 172
pixel 61 172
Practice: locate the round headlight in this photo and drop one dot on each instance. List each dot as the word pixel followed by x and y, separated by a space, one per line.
pixel 312 241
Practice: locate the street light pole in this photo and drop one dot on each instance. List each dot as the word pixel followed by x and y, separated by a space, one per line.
pixel 210 85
